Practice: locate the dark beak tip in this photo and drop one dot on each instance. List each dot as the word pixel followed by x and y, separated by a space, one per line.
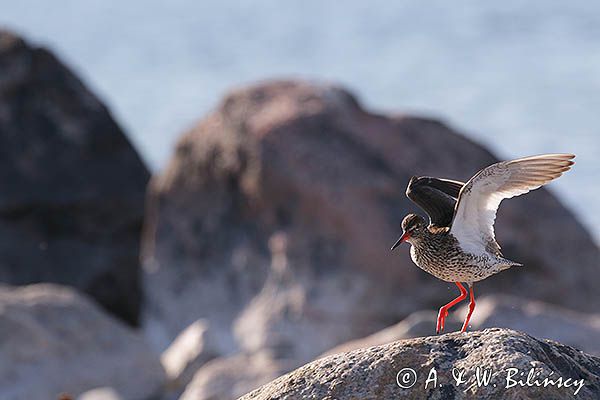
pixel 400 241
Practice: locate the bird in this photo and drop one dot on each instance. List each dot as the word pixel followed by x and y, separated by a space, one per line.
pixel 458 243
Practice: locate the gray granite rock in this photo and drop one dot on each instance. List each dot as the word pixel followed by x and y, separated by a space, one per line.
pixel 377 372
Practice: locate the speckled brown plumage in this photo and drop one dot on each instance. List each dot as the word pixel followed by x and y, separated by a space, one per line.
pixel 436 251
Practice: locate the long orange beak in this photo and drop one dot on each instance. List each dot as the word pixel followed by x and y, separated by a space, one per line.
pixel 403 238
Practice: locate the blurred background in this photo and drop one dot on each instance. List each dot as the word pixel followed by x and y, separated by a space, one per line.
pixel 198 197
pixel 523 79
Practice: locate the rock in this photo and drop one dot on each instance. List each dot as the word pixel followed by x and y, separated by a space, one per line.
pixel 539 319
pixel 372 373
pixel 231 377
pixel 190 350
pixel 72 185
pixel 104 393
pixel 53 340
pixel 276 214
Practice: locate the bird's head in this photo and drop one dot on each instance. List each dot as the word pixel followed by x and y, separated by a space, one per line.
pixel 413 227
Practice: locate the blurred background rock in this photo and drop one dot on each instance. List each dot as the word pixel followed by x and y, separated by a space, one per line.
pixel 261 242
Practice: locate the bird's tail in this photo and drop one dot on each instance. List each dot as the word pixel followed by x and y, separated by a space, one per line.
pixel 506 264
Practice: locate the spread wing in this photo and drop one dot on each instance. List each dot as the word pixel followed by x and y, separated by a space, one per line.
pixel 475 213
pixel 437 197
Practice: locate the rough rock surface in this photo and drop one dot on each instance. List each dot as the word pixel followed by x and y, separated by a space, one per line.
pixel 277 211
pixel 372 373
pixel 72 186
pixel 53 340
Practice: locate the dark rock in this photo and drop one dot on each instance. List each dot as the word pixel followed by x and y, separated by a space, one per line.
pixel 372 373
pixel 72 187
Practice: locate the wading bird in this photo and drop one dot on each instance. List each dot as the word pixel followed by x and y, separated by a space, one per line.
pixel 459 245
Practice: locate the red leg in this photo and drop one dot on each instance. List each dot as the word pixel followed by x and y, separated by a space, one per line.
pixel 443 313
pixel 471 308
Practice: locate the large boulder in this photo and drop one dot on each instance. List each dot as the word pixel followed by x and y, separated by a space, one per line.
pixel 72 187
pixel 53 341
pixel 274 218
pixel 510 362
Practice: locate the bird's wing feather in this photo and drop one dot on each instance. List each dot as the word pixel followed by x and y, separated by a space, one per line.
pixel 475 213
pixel 437 197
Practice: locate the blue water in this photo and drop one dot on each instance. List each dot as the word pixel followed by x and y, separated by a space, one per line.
pixel 521 77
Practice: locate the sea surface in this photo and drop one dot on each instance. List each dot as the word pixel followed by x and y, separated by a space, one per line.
pixel 520 77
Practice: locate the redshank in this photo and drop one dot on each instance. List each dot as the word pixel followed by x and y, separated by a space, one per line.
pixel 459 245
